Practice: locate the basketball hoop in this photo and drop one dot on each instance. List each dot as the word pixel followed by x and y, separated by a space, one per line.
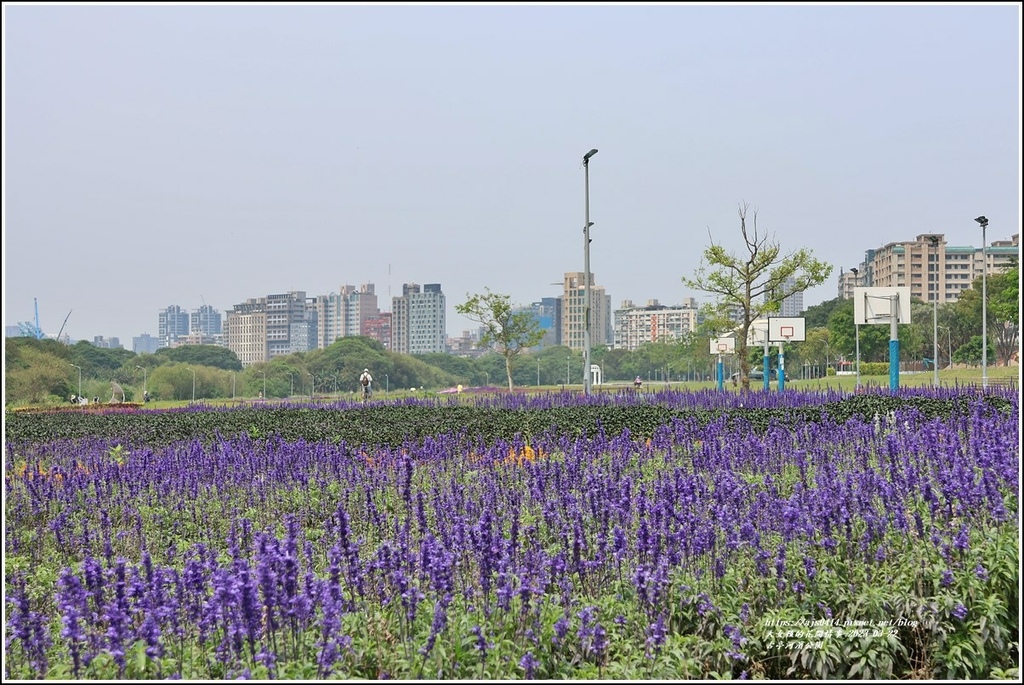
pixel 723 348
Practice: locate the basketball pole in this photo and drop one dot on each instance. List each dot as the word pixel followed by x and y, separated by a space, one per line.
pixel 782 367
pixel 767 363
pixel 894 344
pixel 719 372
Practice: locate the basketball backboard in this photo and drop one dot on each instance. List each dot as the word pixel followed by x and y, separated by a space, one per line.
pixel 757 332
pixel 723 345
pixel 872 305
pixel 786 329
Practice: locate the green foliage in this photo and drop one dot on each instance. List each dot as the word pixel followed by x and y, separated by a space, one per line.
pixel 100 362
pixel 970 353
pixel 754 283
pixel 214 356
pixel 393 425
pixel 505 329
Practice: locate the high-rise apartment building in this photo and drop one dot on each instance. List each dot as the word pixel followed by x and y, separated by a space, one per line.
pixel 653 322
pixel 205 320
pixel 933 270
pixel 418 319
pixel 173 322
pixel 245 331
pixel 260 329
pixel 573 312
pixel 345 313
pixel 548 316
pixel 792 306
pixel 145 344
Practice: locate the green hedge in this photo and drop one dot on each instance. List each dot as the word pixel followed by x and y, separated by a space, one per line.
pixel 395 424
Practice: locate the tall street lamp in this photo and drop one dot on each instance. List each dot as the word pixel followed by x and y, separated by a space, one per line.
pixel 934 240
pixel 291 386
pixel 264 395
pixel 79 381
pixel 144 375
pixel 538 373
pixel 856 326
pixel 193 384
pixel 586 271
pixel 232 384
pixel 567 360
pixel 984 302
pixel 387 384
pixel 949 345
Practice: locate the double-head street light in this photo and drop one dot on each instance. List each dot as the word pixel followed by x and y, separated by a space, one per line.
pixel 934 294
pixel 586 271
pixel 79 381
pixel 984 303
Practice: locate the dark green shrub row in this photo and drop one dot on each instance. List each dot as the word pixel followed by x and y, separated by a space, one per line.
pixel 396 424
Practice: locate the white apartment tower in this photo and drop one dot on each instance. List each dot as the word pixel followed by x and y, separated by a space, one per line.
pixel 573 312
pixel 418 320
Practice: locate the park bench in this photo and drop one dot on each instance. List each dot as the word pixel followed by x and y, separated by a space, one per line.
pixel 1010 383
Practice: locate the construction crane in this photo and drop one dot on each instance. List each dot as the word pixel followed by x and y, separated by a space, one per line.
pixel 64 324
pixel 29 329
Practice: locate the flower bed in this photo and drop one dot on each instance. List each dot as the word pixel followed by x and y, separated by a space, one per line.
pixel 878 544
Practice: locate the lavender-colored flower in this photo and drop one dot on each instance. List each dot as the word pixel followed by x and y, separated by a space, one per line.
pixel 980 572
pixel 947 578
pixel 71 602
pixel 561 630
pixel 529 664
pixel 960 611
pixel 656 634
pixel 481 645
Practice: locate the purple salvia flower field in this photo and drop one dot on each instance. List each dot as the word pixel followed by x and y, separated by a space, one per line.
pixel 879 546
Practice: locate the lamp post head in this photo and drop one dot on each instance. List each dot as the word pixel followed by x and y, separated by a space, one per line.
pixel 586 157
pixel 982 220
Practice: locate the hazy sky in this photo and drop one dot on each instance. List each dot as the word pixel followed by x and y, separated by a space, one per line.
pixel 163 154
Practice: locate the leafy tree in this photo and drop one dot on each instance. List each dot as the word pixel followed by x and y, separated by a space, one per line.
pixel 1003 289
pixel 817 316
pixel 754 284
pixel 874 338
pixel 970 352
pixel 34 375
pixel 100 362
pixel 202 355
pixel 1003 310
pixel 506 330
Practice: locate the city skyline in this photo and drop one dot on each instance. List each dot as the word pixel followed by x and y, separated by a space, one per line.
pixel 179 154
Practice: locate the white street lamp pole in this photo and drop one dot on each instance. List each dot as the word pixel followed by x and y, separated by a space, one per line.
pixel 984 303
pixel 144 375
pixel 538 373
pixel 935 309
pixel 193 384
pixel 586 272
pixel 856 325
pixel 387 384
pixel 232 384
pixel 264 384
pixel 79 381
